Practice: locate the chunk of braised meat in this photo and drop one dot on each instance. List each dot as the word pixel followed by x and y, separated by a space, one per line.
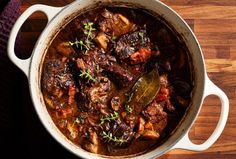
pixel 155 114
pixel 114 24
pixel 96 97
pixel 56 77
pixel 93 59
pixel 129 43
pixel 121 130
pixel 92 142
pixel 119 75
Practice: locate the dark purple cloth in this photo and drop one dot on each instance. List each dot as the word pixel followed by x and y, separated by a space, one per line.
pixel 8 15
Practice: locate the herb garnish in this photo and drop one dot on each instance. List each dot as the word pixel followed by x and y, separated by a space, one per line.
pixel 88 31
pixel 87 75
pixel 79 119
pixel 109 137
pixel 141 34
pixel 128 109
pixel 114 38
pixel 97 67
pixel 110 117
pixel 85 45
pixel 80 43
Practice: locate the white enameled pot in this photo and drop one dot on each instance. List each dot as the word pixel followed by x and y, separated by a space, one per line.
pixel 58 17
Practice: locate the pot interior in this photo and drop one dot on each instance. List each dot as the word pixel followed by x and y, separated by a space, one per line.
pixel 155 8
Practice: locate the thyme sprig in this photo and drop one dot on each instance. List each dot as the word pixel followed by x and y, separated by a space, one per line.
pixel 129 98
pixel 109 118
pixel 87 75
pixel 84 45
pixel 88 27
pixel 109 137
pixel 128 108
pixel 79 43
pixel 79 119
pixel 141 34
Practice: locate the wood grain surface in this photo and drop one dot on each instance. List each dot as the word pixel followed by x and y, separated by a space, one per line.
pixel 214 23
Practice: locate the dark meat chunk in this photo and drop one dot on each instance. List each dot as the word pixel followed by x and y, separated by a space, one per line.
pixel 95 58
pixel 99 93
pixel 122 131
pixel 56 77
pixel 157 117
pixel 128 43
pixel 154 112
pixel 114 24
pixel 119 75
pixel 95 98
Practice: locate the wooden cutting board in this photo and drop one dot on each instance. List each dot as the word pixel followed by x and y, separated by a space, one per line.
pixel 214 23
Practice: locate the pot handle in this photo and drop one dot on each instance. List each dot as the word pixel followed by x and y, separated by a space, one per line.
pixel 210 89
pixel 50 12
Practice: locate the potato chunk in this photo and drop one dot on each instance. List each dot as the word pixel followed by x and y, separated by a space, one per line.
pixel 102 40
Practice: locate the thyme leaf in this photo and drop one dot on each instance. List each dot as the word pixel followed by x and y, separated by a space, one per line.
pixel 109 118
pixel 128 108
pixel 79 44
pixel 87 75
pixel 141 34
pixel 88 27
pixel 109 137
pixel 79 119
pixel 84 45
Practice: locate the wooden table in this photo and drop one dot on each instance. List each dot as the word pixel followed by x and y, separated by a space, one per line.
pixel 214 23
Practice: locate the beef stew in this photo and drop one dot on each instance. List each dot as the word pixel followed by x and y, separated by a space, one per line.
pixel 117 81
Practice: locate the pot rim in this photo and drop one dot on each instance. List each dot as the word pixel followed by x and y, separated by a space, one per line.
pixel 35 76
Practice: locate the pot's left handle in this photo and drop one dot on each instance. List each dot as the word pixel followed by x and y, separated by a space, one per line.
pixel 50 12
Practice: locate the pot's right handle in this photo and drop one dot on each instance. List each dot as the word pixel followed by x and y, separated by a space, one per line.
pixel 210 89
pixel 50 13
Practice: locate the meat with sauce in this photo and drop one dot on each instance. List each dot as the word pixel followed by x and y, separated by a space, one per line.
pixel 116 81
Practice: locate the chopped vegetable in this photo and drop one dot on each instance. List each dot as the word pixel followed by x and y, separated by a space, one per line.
pixel 102 40
pixel 140 56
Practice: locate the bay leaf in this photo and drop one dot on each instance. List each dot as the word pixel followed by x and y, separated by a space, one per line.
pixel 144 91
